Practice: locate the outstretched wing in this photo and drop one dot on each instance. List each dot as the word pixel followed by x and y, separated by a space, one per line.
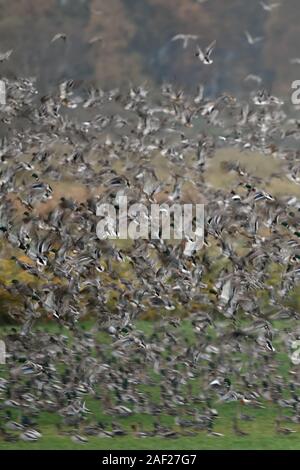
pixel 200 54
pixel 210 48
pixel 177 37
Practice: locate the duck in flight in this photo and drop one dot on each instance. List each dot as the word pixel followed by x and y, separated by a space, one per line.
pixel 204 57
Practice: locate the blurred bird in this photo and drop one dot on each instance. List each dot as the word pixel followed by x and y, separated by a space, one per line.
pixel 95 39
pixel 204 57
pixel 5 55
pixel 58 36
pixel 270 7
pixel 252 40
pixel 185 38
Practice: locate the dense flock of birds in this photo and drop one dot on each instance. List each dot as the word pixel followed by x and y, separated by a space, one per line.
pixel 106 329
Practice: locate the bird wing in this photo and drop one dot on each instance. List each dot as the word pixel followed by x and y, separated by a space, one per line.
pixel 178 36
pixel 200 53
pixel 210 48
pixel 58 36
pixel 249 37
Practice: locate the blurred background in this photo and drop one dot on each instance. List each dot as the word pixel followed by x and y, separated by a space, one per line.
pixel 115 42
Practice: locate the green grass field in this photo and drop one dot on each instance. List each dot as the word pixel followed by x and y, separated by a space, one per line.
pixel 261 431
